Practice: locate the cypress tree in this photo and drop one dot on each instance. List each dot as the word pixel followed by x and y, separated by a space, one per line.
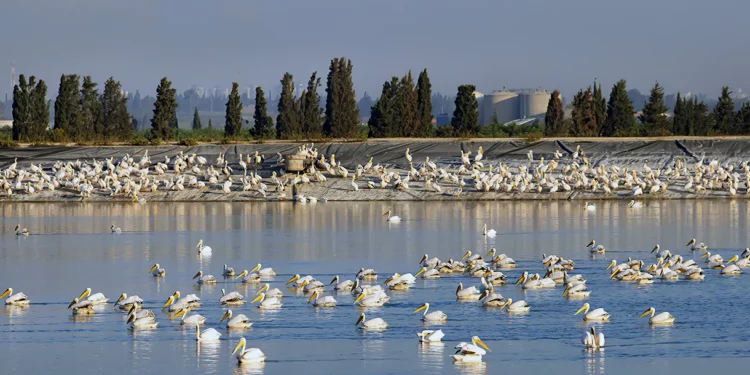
pixel 724 116
pixel 678 119
pixel 88 107
pixel 620 120
pixel 381 113
pixel 701 122
pixel 743 118
pixel 584 115
pixel 287 121
pixel 406 108
pixel 600 107
pixel 210 124
pixel 233 117
pixel 165 108
pixel 465 120
pixel 114 111
pixel 654 114
pixel 39 125
pixel 424 105
pixel 263 122
pixel 310 114
pixel 553 120
pixel 341 110
pixel 67 116
pixel 197 120
pixel 22 108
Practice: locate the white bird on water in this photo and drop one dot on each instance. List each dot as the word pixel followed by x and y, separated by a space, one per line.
pixel 593 340
pixel 208 335
pixel 663 318
pixel 392 219
pixel 203 250
pixel 470 351
pixel 252 355
pixel 18 299
pixel 491 233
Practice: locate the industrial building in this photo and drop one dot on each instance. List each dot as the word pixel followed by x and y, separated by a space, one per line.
pixel 512 105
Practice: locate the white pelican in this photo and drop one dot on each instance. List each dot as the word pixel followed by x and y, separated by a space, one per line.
pixel 504 262
pixel 372 324
pixel 248 277
pixel 574 291
pixel 203 250
pixel 392 219
pixel 233 298
pixel 598 315
pixel 143 322
pixel 429 263
pixel 267 272
pixel 367 274
pixel 731 269
pixel 468 294
pixel 429 336
pixel 207 279
pixel 661 253
pixel 95 299
pixel 175 303
pixel 592 340
pixel 325 301
pixel 345 285
pixel 692 244
pixel 715 258
pixel 115 229
pixel 228 271
pixel 370 298
pixel 312 286
pixel 535 282
pixel 589 206
pixel 252 355
pixel 596 249
pixel 428 273
pixel 433 317
pixel 272 293
pixel 81 308
pixel 267 302
pixel 491 299
pixel 400 282
pixel 239 321
pixel 469 257
pixel 299 281
pixel 209 334
pixel 126 303
pixel 142 313
pixel 491 233
pixel 663 318
pixel 515 307
pixel 195 319
pixel 157 271
pixel 21 232
pixel 470 352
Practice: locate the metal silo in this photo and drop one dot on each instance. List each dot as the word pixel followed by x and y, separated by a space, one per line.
pixel 504 104
pixel 534 103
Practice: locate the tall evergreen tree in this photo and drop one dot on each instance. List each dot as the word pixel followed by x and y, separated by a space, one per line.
pixel 165 107
pixel 600 107
pixel 263 122
pixel 584 115
pixel 424 105
pixel 654 114
pixel 88 107
pixel 197 120
pixel 67 115
pixel 724 116
pixel 22 108
pixel 287 121
pixel 310 114
pixel 39 124
pixel 743 118
pixel 114 111
pixel 233 117
pixel 620 120
pixel 553 120
pixel 342 115
pixel 700 121
pixel 382 113
pixel 405 108
pixel 210 124
pixel 679 126
pixel 465 120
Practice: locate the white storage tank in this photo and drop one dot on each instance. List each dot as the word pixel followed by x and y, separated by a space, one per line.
pixel 534 103
pixel 503 103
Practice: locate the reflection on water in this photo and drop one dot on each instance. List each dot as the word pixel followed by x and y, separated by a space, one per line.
pixel 249 368
pixel 208 355
pixel 431 356
pixel 15 311
pixel 595 361
pixel 471 368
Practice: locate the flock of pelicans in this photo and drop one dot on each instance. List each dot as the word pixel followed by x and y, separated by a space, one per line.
pixel 488 269
pixel 565 172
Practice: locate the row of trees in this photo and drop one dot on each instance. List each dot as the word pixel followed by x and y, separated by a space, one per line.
pixel 403 109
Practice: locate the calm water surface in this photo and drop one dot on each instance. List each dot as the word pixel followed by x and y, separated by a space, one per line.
pixel 71 249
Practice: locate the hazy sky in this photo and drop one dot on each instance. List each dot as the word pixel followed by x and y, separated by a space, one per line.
pixel 687 45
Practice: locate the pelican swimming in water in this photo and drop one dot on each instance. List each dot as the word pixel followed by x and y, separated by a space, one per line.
pixel 204 279
pixel 693 246
pixel 95 299
pixel 392 219
pixel 270 293
pixel 596 315
pixel 249 276
pixel 232 299
pixel 300 281
pixel 491 299
pixel 265 302
pixel 429 336
pixel 428 273
pixel 730 268
pixel 207 335
pixel 517 307
pixel 203 250
pixel 312 286
pixel 489 233
pixel 265 272
pixel 400 282
pixel 195 319
pixel 157 271
pixel 468 294
pixel 115 229
pixel 143 322
pixel 370 298
pixel 592 340
pixel 127 303
pixel 228 271
pixel 345 285
pixel 318 301
pixel 81 308
pixel 535 282
pixel 429 263
pixel 239 321
pixel 175 303
pixel 372 324
pixel 252 355
pixel 20 232
pixel 662 318
pixel 576 291
pixel 433 317
pixel 367 274
pixel 596 249
pixel 470 352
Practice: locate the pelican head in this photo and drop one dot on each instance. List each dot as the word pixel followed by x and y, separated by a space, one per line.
pixel 293 279
pixel 264 288
pixel 507 303
pixel 585 309
pixel 256 268
pixel 655 249
pixel 591 244
pixel 85 293
pixel 523 278
pixel 154 268
pixel 131 317
pixel 459 288
pixel 706 254
pixel 733 259
pixel 421 271
pixel 122 298
pixel 335 280
pixel 243 273
pixel 227 315
pixel 567 289
pixel 198 274
pixel 466 255
pixel 181 313
pixel 6 293
pixel 395 275
pixel 361 296
pixel 477 341
pixel 200 244
pixel 170 301
pixel 18 226
pixel 259 298
pixel 387 213
pixel 612 264
pixel 424 258
pixel 314 296
pixel 486 292
pixel 492 252
pixel 631 203
pixel 73 302
pixel 240 345
pixel 425 307
pixel 360 320
pixel 650 311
